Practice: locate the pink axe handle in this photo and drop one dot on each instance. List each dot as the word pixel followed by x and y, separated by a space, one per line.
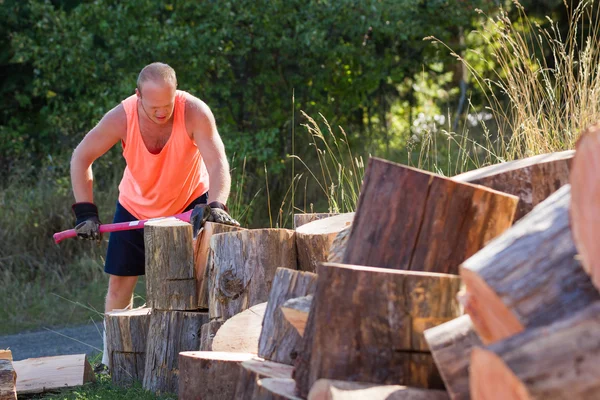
pixel 119 226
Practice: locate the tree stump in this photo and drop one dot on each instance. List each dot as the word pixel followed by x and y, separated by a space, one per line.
pixel 279 341
pixel 338 246
pixel 126 333
pixel 256 369
pixel 276 389
pixel 209 375
pixel 440 222
pixel 361 334
pixel 201 257
pixel 585 203
pixel 8 377
pixel 302 219
pixel 557 361
pixel 296 312
pixel 207 335
pixel 529 276
pixel 170 273
pixel 170 333
pixel 240 334
pixel 532 179
pixel 314 239
pixel 451 344
pixel 243 266
pixel 325 389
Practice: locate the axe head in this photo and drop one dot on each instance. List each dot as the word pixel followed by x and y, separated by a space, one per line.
pixel 199 216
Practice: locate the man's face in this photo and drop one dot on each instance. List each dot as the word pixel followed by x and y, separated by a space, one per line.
pixel 158 100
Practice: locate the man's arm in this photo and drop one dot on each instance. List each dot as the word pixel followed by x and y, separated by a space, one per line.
pixel 111 128
pixel 201 124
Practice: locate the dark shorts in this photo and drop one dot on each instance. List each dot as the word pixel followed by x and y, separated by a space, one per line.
pixel 125 255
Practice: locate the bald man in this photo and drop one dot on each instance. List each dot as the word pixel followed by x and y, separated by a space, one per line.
pixel 173 153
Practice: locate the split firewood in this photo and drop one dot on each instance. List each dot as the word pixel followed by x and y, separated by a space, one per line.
pixel 207 335
pixel 532 179
pixel 243 266
pixel 209 375
pixel 37 375
pixel 313 240
pixel 276 389
pixel 451 344
pixel 528 277
pixel 8 377
pixel 338 246
pixel 126 333
pixel 170 333
pixel 201 255
pixel 296 312
pixel 170 273
pixel 344 334
pixel 302 219
pixel 326 389
pixel 240 333
pixel 256 369
pixel 557 361
pixel 438 222
pixel 279 341
pixel 585 188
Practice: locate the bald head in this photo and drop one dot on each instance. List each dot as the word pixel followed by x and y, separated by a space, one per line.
pixel 157 72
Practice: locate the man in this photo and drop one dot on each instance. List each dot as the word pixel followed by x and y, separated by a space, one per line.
pixel 171 146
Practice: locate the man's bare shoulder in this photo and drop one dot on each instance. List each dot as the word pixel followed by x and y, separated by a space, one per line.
pixel 116 121
pixel 197 114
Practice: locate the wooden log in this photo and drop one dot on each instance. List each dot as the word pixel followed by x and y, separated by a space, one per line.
pixel 243 266
pixel 350 322
pixel 126 333
pixel 529 276
pixel 338 246
pixel 451 344
pixel 8 377
pixel 37 375
pixel 296 312
pixel 170 333
pixel 201 256
pixel 585 202
pixel 532 179
pixel 557 361
pixel 313 240
pixel 207 335
pixel 170 273
pixel 279 341
pixel 276 389
pixel 440 222
pixel 326 389
pixel 302 219
pixel 254 370
pixel 209 375
pixel 240 334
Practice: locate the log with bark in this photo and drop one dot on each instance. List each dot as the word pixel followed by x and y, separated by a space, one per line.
pixel 296 312
pixel 557 361
pixel 585 203
pixel 440 222
pixel 276 389
pixel 170 333
pixel 8 377
pixel 279 341
pixel 207 335
pixel 357 333
pixel 528 277
pixel 532 179
pixel 201 257
pixel 170 272
pixel 451 344
pixel 313 240
pixel 240 333
pixel 302 219
pixel 256 369
pixel 243 266
pixel 325 389
pixel 338 246
pixel 209 375
pixel 126 333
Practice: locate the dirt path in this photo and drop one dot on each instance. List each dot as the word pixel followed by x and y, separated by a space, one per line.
pixel 73 340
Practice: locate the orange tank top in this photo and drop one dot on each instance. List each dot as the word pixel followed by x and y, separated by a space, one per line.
pixel 163 184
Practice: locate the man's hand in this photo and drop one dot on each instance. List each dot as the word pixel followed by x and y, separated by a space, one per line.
pixel 219 214
pixel 87 224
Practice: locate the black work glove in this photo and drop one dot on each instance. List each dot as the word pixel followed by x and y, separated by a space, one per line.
pixel 219 213
pixel 87 224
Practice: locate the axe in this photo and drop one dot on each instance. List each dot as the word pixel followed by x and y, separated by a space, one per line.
pixel 196 216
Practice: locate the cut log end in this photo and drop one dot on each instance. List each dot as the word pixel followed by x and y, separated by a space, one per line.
pixel 296 312
pixel 325 389
pixel 491 379
pixel 277 389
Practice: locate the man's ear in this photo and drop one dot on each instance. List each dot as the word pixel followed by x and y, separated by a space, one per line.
pixel 138 93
